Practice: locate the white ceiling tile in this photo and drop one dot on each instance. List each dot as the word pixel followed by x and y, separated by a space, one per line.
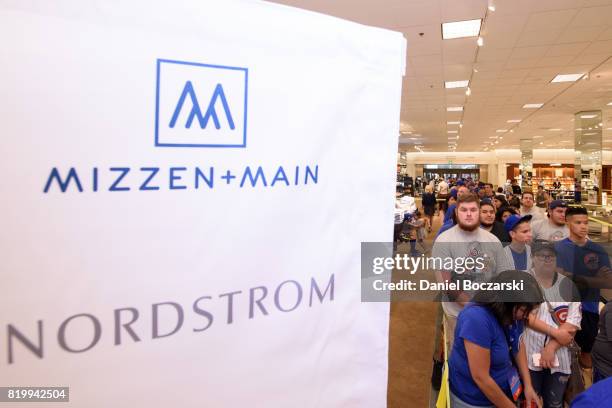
pixel 453 10
pixel 457 71
pixel 554 61
pixel 580 34
pixel 566 49
pixel 606 34
pixel 521 63
pixel 593 59
pixel 592 16
pixel 599 47
pixel 529 52
pixel 542 37
pixel 550 19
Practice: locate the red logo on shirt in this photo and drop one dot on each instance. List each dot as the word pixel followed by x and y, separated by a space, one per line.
pixel 561 313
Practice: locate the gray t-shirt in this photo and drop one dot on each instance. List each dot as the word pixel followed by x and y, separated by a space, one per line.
pixel 549 231
pixel 457 243
pixel 602 348
pixel 535 212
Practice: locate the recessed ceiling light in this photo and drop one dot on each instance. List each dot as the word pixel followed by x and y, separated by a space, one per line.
pixel 609 104
pixel 532 105
pixel 456 84
pixel 480 41
pixel 513 121
pixel 567 77
pixel 454 109
pixel 587 116
pixel 461 29
pixel 541 143
pixel 453 123
pixel 501 130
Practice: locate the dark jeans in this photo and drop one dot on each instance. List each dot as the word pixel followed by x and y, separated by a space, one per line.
pixel 550 387
pixel 597 376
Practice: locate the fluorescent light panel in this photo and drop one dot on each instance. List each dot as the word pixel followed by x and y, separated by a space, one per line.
pixel 587 116
pixel 454 109
pixel 567 78
pixel 532 105
pixel 456 84
pixel 513 121
pixel 453 123
pixel 461 29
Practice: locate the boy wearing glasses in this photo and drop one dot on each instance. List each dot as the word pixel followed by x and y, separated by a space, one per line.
pixel 588 265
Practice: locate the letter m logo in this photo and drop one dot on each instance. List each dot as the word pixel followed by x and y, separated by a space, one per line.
pixel 200 105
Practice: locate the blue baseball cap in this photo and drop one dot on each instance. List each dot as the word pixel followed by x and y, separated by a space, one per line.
pixel 513 220
pixel 557 203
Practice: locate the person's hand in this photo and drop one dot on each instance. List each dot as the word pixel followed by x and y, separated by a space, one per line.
pixel 563 336
pixel 547 357
pixel 531 395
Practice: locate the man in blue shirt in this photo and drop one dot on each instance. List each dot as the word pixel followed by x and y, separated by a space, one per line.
pixel 588 265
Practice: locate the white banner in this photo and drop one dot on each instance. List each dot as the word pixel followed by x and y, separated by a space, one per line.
pixel 185 187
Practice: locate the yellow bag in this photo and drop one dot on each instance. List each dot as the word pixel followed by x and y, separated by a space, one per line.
pixel 444 395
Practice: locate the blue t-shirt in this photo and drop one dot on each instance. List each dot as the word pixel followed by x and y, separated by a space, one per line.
pixel 583 261
pixel 597 395
pixel 520 260
pixel 478 324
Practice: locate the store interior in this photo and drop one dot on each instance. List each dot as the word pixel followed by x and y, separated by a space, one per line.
pixel 494 90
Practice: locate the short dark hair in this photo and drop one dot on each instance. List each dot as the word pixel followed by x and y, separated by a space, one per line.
pixel 575 210
pixel 502 303
pixel 486 201
pixel 489 184
pixel 502 210
pixel 468 198
pixel 526 191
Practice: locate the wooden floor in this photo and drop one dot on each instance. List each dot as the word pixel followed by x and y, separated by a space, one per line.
pixel 412 335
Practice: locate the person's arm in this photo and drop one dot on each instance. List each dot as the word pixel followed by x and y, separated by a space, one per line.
pixel 563 334
pixel 479 362
pixel 523 368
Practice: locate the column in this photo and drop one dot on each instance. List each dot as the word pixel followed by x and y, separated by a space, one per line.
pixel 587 165
pixel 526 165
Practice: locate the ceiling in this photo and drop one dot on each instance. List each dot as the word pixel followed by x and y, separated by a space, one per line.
pixel 526 44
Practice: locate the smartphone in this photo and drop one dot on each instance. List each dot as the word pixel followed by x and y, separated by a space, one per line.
pixel 536 360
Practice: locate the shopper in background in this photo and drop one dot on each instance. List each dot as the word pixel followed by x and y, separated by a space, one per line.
pixel 553 228
pixel 503 213
pixel 551 328
pixel 519 252
pixel 602 348
pixel 488 222
pixel 499 201
pixel 488 191
pixel 429 205
pixel 481 366
pixel 588 265
pixel 516 189
pixel 528 207
pixel 541 197
pixel 443 193
pixel 515 201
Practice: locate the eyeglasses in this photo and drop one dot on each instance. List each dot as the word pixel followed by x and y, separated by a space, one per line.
pixel 546 258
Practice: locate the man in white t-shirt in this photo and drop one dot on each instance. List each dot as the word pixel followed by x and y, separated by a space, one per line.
pixel 528 206
pixel 443 187
pixel 553 228
pixel 464 241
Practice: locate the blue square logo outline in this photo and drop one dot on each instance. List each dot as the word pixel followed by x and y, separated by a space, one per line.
pixel 197 64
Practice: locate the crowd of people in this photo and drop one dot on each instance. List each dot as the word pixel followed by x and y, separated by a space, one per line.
pixel 533 345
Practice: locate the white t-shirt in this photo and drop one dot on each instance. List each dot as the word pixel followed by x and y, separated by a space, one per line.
pixel 443 187
pixel 536 213
pixel 565 311
pixel 549 231
pixel 457 243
